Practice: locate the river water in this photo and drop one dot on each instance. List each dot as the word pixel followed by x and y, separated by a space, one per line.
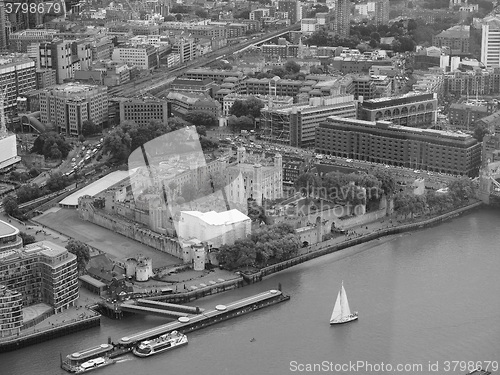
pixel 425 299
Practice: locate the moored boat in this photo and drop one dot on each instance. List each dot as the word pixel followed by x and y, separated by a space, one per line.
pixel 93 364
pixel 163 343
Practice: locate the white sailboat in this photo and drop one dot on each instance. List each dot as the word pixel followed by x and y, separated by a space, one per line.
pixel 341 312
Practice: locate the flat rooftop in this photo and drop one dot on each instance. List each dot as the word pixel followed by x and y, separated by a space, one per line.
pixel 7 230
pixel 95 188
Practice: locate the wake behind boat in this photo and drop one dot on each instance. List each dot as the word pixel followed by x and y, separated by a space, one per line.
pixel 161 344
pixel 341 312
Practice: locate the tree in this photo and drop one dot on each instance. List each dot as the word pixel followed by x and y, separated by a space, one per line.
pixel 10 205
pixel 238 108
pixel 307 182
pixel 27 238
pixel 292 67
pixel 461 189
pixel 202 13
pixel 46 143
pixel 387 180
pixel 82 253
pixel 236 124
pixel 201 130
pixel 253 107
pixel 479 132
pixel 89 128
pixel 204 118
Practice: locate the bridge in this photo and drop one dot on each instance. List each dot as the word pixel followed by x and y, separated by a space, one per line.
pixel 489 183
pixel 160 80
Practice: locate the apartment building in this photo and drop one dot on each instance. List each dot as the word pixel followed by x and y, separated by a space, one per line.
pixel 142 56
pixel 342 21
pixel 456 38
pixel 382 8
pixel 295 125
pixel 67 106
pixel 293 8
pixel 41 272
pixel 185 48
pixel 144 110
pixel 384 142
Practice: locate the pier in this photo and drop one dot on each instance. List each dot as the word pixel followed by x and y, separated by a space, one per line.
pixel 220 313
pixel 183 324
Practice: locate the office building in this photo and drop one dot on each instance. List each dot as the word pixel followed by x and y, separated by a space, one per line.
pixel 67 106
pixel 381 12
pixel 490 41
pixel 295 125
pixel 17 75
pixel 144 110
pixel 217 76
pixel 41 272
pixel 20 40
pixel 65 57
pixel 412 109
pixel 341 25
pixel 185 48
pixel 384 142
pixel 143 56
pixel 181 104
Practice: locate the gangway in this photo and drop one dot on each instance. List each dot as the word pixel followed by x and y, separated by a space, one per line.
pixel 168 306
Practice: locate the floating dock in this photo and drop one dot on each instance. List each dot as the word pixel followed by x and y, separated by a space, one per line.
pixel 220 313
pixel 183 324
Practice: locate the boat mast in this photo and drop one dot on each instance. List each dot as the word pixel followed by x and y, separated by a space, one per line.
pixel 342 300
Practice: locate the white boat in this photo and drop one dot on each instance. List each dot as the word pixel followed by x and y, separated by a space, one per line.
pixel 93 364
pixel 341 312
pixel 163 343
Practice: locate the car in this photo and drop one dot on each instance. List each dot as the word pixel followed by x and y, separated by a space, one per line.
pixel 73 160
pixel 348 160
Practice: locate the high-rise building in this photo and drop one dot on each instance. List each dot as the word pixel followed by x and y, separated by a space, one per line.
pixel 17 74
pixel 381 12
pixel 67 106
pixel 65 57
pixel 3 27
pixel 342 20
pixel 293 8
pixel 490 42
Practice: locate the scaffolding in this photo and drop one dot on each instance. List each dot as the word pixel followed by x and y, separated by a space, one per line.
pixel 3 123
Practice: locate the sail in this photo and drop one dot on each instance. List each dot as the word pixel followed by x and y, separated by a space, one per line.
pixel 337 310
pixel 344 303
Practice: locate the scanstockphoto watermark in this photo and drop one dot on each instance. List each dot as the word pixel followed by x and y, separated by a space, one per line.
pixel 364 367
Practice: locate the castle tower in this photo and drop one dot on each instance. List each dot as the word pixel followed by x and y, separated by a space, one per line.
pixel 241 155
pixel 257 184
pixel 278 176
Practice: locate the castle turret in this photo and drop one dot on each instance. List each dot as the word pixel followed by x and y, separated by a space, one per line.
pixel 257 184
pixel 241 155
